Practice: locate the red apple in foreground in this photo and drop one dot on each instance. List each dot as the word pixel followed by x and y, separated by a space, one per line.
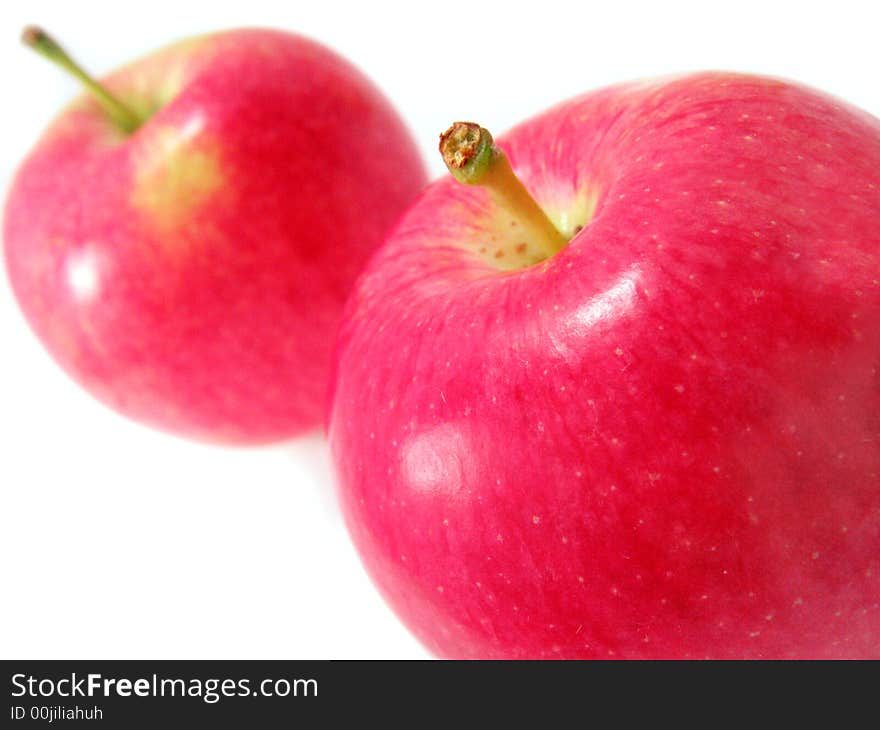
pixel 650 428
pixel 183 242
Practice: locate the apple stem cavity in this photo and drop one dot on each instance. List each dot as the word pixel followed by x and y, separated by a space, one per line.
pixel 44 44
pixel 473 158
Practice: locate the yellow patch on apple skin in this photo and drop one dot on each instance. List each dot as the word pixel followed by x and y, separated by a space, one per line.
pixel 175 175
pixel 503 246
pixel 571 214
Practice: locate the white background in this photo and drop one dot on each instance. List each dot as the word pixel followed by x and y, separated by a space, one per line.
pixel 118 542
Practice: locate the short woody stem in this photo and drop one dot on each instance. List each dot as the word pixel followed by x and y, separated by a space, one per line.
pixel 473 158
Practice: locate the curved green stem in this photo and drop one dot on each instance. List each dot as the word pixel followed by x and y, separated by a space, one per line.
pixel 46 46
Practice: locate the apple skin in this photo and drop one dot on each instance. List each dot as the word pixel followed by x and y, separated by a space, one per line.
pixel 192 275
pixel 662 442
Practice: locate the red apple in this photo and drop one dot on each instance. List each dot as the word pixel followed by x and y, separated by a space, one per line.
pixel 662 440
pixel 183 242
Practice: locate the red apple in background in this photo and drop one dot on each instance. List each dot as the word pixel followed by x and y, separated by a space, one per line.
pixel 183 240
pixel 659 440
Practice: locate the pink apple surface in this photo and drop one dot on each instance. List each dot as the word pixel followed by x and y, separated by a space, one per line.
pixel 664 440
pixel 192 274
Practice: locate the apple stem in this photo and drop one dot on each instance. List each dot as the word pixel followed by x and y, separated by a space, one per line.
pixel 46 46
pixel 473 158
